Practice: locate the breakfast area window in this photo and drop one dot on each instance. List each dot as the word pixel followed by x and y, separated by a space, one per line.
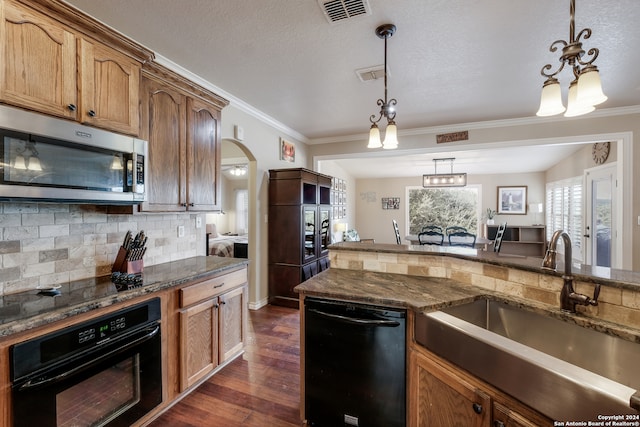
pixel 444 207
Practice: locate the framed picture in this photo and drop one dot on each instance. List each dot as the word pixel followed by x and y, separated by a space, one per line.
pixel 512 200
pixel 390 202
pixel 287 151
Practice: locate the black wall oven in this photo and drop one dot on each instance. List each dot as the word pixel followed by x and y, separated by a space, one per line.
pixel 104 372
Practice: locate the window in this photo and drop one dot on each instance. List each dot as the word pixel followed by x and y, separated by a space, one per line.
pixel 242 211
pixel 564 211
pixel 444 207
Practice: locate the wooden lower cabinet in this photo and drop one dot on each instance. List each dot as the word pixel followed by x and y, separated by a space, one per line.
pixel 213 318
pixel 198 342
pixel 232 319
pixel 442 395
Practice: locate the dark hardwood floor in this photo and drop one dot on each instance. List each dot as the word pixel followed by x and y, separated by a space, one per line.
pixel 259 389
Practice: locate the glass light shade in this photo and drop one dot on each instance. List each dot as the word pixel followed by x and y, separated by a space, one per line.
pixel 390 137
pixel 116 163
pixel 238 171
pixel 550 99
pixel 575 108
pixel 374 137
pixel 590 87
pixel 444 180
pixel 34 164
pixel 19 163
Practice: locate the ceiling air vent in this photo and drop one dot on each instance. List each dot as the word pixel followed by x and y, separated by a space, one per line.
pixel 339 10
pixel 371 73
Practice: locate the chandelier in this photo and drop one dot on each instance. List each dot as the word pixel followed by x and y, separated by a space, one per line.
pixel 585 91
pixel 387 108
pixel 238 170
pixel 27 158
pixel 444 179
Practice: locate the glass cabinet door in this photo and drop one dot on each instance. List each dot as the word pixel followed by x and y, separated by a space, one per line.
pixel 325 228
pixel 310 232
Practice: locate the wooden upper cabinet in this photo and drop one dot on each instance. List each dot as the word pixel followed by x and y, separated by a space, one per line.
pixel 164 112
pixel 203 156
pixel 109 88
pixel 38 69
pixel 54 68
pixel 181 121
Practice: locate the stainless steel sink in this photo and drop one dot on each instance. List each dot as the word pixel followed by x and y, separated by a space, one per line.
pixel 565 371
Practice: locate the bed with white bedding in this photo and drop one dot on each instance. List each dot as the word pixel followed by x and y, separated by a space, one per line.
pixel 226 245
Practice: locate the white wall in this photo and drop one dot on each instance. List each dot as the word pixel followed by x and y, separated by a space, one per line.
pixel 262 140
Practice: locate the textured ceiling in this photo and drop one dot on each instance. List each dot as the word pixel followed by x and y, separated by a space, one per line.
pixel 450 61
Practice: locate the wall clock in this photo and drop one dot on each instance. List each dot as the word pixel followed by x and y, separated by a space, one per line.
pixel 600 152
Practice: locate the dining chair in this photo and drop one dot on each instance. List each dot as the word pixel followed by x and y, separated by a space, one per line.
pixel 396 231
pixel 431 238
pixel 462 238
pixel 454 229
pixel 432 227
pixel 497 242
pixel 324 233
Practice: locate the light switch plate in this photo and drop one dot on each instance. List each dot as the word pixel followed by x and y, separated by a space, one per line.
pixel 181 231
pixel 198 222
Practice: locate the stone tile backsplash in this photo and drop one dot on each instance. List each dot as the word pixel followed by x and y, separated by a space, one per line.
pixel 44 244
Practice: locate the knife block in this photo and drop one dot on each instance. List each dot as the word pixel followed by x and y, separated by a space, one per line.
pixel 121 264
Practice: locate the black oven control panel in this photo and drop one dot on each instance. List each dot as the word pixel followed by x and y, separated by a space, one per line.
pixel 39 352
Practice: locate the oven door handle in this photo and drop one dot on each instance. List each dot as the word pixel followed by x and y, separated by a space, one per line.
pixel 358 321
pixel 40 381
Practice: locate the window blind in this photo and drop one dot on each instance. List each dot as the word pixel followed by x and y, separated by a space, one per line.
pixel 565 211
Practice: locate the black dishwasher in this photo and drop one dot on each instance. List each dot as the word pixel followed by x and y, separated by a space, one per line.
pixel 355 359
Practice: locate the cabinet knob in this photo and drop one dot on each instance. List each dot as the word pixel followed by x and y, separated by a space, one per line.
pixel 184 205
pixel 192 204
pixel 223 302
pixel 91 113
pixel 71 107
pixel 477 408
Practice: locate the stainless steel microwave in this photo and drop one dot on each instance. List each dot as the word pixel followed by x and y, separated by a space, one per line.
pixel 47 159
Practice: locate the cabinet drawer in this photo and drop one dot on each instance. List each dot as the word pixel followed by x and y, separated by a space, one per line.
pixel 209 288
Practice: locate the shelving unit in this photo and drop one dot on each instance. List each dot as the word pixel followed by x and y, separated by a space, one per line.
pixel 299 230
pixel 527 240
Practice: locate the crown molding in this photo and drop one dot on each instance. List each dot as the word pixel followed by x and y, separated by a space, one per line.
pixel 235 101
pixel 489 124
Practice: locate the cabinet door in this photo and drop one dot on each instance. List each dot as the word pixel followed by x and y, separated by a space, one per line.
pixel 233 320
pixel 203 156
pixel 310 232
pixel 444 399
pixel 38 68
pixel 109 88
pixel 164 118
pixel 505 417
pixel 325 230
pixel 198 342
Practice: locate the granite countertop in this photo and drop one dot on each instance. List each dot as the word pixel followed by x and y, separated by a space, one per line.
pixel 393 290
pixel 610 276
pixel 426 294
pixel 29 309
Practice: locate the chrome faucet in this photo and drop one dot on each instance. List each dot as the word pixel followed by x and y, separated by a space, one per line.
pixel 568 297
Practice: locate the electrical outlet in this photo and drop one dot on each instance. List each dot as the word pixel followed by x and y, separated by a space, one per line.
pixel 181 231
pixel 198 222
